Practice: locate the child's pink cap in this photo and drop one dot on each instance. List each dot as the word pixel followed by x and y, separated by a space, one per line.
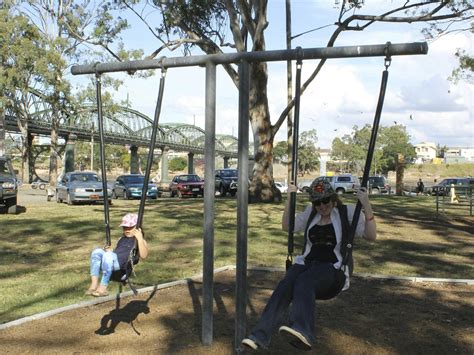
pixel 129 220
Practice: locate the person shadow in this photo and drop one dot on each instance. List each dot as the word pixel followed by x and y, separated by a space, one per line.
pixel 127 314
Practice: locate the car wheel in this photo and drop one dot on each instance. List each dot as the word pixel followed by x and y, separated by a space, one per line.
pixel 222 191
pixel 68 199
pixel 375 191
pixel 125 195
pixel 340 191
pixel 42 186
pixel 58 200
pixel 33 186
pixel 180 195
pixel 11 209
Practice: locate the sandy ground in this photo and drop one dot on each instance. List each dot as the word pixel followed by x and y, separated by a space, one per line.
pixel 373 317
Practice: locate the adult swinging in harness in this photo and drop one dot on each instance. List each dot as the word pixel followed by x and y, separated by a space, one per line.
pixel 322 271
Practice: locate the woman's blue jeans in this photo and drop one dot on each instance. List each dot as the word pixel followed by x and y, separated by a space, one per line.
pixel 106 261
pixel 299 287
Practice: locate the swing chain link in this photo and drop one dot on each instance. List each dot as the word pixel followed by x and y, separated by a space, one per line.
pixel 388 58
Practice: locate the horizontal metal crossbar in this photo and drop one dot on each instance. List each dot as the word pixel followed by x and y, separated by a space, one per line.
pixel 373 50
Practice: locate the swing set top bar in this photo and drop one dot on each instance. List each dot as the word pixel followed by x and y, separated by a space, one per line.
pixel 374 50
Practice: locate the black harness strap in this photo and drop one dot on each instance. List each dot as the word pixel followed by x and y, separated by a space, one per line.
pixel 294 159
pixel 105 192
pixel 370 153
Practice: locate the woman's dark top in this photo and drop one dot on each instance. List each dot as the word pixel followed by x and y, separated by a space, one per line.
pixel 323 239
pixel 123 249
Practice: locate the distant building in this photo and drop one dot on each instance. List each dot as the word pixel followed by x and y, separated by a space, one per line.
pixel 455 155
pixel 425 152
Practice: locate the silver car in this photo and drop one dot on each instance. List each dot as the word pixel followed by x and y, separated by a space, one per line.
pixel 80 186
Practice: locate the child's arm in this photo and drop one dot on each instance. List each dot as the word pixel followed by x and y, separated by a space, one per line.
pixel 142 245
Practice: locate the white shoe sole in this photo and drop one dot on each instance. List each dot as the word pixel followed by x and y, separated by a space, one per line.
pixel 249 344
pixel 295 338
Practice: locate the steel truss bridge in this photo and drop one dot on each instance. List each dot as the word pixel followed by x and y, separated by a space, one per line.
pixel 122 125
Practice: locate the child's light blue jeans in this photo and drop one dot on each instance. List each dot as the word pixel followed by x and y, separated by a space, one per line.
pixel 106 261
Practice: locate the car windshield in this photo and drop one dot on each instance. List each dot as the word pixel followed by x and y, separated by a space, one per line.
pixel 229 173
pixel 85 177
pixel 134 179
pixel 189 178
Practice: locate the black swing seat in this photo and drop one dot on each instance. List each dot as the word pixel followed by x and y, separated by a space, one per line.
pixel 338 284
pixel 123 276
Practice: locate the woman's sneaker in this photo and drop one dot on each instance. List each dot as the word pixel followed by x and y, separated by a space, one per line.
pixel 249 344
pixel 295 338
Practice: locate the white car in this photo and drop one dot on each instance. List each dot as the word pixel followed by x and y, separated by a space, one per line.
pixel 282 187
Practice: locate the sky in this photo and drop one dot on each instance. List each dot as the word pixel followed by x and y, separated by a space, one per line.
pixel 419 95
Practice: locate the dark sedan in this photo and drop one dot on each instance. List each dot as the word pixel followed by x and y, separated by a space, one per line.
pixel 187 185
pixel 443 188
pixel 131 186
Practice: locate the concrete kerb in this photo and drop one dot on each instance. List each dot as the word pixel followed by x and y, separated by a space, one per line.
pixel 221 269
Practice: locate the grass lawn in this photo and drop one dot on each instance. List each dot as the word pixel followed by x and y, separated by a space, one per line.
pixel 44 252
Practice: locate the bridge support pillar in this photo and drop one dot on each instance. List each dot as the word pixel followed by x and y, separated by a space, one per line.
pixel 69 153
pixel 190 163
pixel 31 158
pixel 134 161
pixel 164 165
pixel 226 162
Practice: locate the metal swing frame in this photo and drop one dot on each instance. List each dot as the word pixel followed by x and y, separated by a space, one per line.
pixel 243 59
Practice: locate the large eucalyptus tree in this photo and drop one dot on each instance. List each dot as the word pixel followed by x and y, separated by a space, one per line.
pixel 205 24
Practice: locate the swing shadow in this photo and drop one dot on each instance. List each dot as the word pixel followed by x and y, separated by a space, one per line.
pixel 127 314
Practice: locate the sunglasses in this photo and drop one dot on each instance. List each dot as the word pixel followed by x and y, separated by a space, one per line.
pixel 323 201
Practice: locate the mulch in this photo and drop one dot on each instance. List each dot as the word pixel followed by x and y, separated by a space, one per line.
pixel 375 316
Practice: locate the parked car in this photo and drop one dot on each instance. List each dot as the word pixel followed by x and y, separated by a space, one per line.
pixel 341 183
pixel 281 186
pixel 442 189
pixel 131 186
pixel 80 186
pixel 8 185
pixel 226 181
pixel 378 185
pixel 186 185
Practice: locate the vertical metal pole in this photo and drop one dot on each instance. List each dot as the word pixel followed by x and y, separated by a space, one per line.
pixel 102 159
pixel 208 243
pixel 242 206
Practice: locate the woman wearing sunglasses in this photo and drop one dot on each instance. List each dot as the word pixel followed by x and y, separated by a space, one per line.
pixel 315 272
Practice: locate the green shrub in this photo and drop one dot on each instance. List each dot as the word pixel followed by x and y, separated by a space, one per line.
pixel 177 164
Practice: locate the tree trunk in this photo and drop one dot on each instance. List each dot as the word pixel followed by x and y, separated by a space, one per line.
pixel 2 128
pixel 262 188
pixel 53 155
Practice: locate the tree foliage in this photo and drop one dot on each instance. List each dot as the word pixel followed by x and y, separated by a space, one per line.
pixel 308 155
pixel 177 164
pixel 352 148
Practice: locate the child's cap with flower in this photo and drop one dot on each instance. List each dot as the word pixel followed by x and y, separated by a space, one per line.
pixel 129 220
